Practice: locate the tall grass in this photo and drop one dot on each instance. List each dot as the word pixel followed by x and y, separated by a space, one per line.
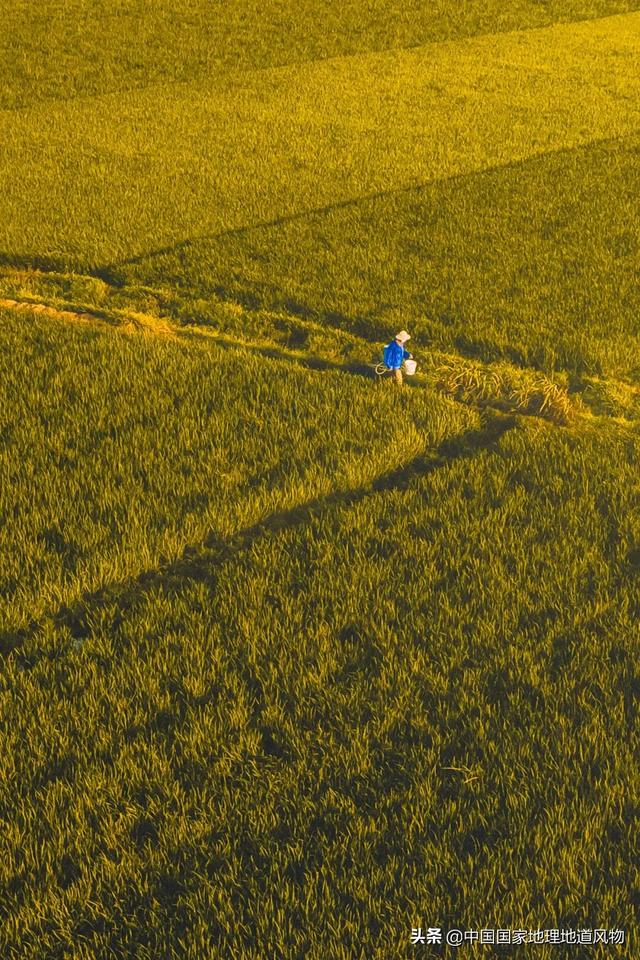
pixel 418 708
pixel 303 341
pixel 116 452
pixel 534 263
pixel 294 661
pixel 96 180
pixel 80 47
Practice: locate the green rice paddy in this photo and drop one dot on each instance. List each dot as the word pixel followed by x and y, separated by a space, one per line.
pixel 293 661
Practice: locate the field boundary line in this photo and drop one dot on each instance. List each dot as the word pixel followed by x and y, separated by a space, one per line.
pixel 107 272
pixel 208 80
pixel 199 562
pixel 133 322
pixel 74 316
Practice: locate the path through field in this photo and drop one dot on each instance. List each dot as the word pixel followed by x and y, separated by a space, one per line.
pixel 132 322
pixel 199 561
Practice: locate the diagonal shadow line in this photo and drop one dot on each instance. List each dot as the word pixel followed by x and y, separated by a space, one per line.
pixel 205 79
pixel 353 367
pixel 43 263
pixel 199 563
pixel 109 272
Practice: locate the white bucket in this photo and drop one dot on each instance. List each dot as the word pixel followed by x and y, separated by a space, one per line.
pixel 410 367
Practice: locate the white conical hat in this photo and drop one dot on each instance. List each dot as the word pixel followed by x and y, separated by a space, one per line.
pixel 403 336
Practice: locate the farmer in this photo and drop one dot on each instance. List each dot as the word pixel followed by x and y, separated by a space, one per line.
pixel 395 354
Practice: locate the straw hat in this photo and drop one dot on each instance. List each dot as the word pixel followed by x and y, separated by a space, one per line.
pixel 403 336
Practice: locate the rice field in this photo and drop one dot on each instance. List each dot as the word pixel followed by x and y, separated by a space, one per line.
pixel 60 51
pixel 535 263
pixel 95 180
pixel 168 444
pixel 331 700
pixel 294 662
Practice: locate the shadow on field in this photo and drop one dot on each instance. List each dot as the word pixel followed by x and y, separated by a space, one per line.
pixel 111 274
pixel 43 264
pixel 200 562
pixel 277 353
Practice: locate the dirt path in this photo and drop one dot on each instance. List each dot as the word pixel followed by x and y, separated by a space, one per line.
pixel 559 407
pixel 26 306
pixel 130 323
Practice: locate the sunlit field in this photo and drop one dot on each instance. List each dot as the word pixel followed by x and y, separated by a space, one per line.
pixel 294 661
pixel 156 166
pixel 83 48
pixel 535 262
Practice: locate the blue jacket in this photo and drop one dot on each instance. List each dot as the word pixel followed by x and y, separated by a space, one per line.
pixel 395 355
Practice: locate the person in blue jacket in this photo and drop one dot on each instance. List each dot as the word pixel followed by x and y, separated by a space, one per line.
pixel 395 354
